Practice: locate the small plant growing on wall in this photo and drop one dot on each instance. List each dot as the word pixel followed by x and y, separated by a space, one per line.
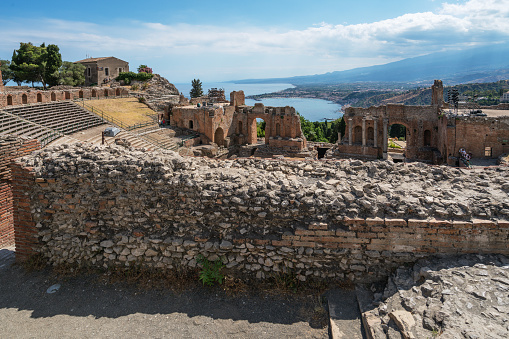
pixel 211 271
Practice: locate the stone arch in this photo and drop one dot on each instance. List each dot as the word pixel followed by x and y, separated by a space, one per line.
pixel 39 97
pixel 80 94
pixel 94 93
pixel 357 135
pixel 278 129
pixel 191 124
pixel 117 92
pixel 240 131
pixel 9 100
pixel 53 96
pixel 371 135
pixel 252 137
pixel 106 93
pixel 219 136
pixel 67 95
pixel 427 137
pixel 24 99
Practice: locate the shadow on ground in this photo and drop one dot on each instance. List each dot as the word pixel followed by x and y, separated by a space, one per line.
pixel 85 296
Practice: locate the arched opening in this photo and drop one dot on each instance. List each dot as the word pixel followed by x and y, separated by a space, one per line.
pixel 240 128
pixel 117 92
pixel 94 93
pixel 357 135
pixel 80 94
pixel 371 136
pixel 256 131
pixel 427 137
pixel 396 145
pixel 9 100
pixel 53 96
pixel 24 99
pixel 67 95
pixel 278 129
pixel 39 97
pixel 191 124
pixel 105 92
pixel 219 137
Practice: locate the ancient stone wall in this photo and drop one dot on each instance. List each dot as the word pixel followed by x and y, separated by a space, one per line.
pixel 235 124
pixel 484 137
pixel 112 207
pixel 33 96
pixel 10 148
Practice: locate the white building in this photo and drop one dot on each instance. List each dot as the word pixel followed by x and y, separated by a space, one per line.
pixel 505 97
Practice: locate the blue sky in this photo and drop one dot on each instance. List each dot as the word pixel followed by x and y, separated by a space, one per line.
pixel 225 40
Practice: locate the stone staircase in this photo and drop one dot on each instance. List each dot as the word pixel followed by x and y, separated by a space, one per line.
pixel 11 124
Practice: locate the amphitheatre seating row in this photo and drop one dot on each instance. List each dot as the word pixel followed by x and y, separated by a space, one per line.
pixel 65 117
pixel 14 125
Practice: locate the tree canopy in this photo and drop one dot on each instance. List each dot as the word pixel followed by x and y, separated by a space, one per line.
pixel 197 90
pixel 322 131
pixel 140 67
pixel 71 74
pixel 36 64
pixel 6 71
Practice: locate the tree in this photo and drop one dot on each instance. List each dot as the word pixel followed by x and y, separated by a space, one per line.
pixel 25 63
pixel 141 66
pixel 197 90
pixel 7 74
pixel 36 64
pixel 50 64
pixel 71 74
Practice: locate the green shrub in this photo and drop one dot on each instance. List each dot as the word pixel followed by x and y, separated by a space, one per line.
pixel 211 271
pixel 135 87
pixel 144 86
pixel 142 100
pixel 130 76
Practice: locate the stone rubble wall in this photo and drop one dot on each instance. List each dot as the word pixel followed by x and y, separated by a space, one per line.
pixel 111 207
pixel 10 148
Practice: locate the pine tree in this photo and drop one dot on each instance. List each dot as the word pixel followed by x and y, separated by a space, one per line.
pixel 197 90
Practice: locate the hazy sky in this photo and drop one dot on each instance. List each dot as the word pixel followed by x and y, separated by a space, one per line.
pixel 225 40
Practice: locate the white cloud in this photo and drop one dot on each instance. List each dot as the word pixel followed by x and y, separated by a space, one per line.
pixel 455 25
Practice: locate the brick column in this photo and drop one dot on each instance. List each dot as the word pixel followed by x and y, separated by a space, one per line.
pixel 25 232
pixel 375 132
pixel 364 132
pixel 386 132
pixel 350 123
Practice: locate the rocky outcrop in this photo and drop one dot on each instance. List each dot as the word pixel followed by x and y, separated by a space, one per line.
pixel 458 297
pixel 160 93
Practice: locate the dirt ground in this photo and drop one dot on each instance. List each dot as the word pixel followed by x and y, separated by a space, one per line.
pixel 86 307
pixel 127 110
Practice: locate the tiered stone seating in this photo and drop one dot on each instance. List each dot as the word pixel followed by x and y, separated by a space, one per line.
pixel 14 125
pixel 65 117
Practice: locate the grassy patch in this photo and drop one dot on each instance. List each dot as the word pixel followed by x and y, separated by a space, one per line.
pixel 128 110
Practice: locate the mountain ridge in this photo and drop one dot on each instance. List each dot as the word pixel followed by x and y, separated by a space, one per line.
pixel 479 64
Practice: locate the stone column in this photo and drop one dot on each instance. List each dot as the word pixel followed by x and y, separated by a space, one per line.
pixel 339 137
pixel 350 126
pixel 375 132
pixel 363 132
pixel 386 123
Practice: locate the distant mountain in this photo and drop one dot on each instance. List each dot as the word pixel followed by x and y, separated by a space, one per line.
pixel 481 64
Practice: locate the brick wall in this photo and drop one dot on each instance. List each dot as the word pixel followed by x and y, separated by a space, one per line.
pixel 10 148
pixel 146 210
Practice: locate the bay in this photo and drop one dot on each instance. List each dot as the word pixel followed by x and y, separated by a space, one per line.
pixel 311 109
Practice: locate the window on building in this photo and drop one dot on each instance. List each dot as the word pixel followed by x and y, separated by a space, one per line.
pixel 89 71
pixel 120 70
pixel 106 71
pixel 487 152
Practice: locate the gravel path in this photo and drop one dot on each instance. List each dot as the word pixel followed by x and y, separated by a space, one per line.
pixel 83 307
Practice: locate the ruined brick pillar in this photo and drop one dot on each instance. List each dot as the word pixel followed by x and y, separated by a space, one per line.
pixel 350 126
pixel 437 94
pixel 375 131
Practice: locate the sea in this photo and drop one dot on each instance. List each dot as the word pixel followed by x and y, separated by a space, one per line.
pixel 310 109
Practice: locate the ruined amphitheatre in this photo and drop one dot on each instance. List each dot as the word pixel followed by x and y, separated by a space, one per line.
pixel 353 216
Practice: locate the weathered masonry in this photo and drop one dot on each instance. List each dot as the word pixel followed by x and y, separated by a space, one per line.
pixel 12 97
pixel 111 207
pixel 432 135
pixel 234 123
pixel 104 69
